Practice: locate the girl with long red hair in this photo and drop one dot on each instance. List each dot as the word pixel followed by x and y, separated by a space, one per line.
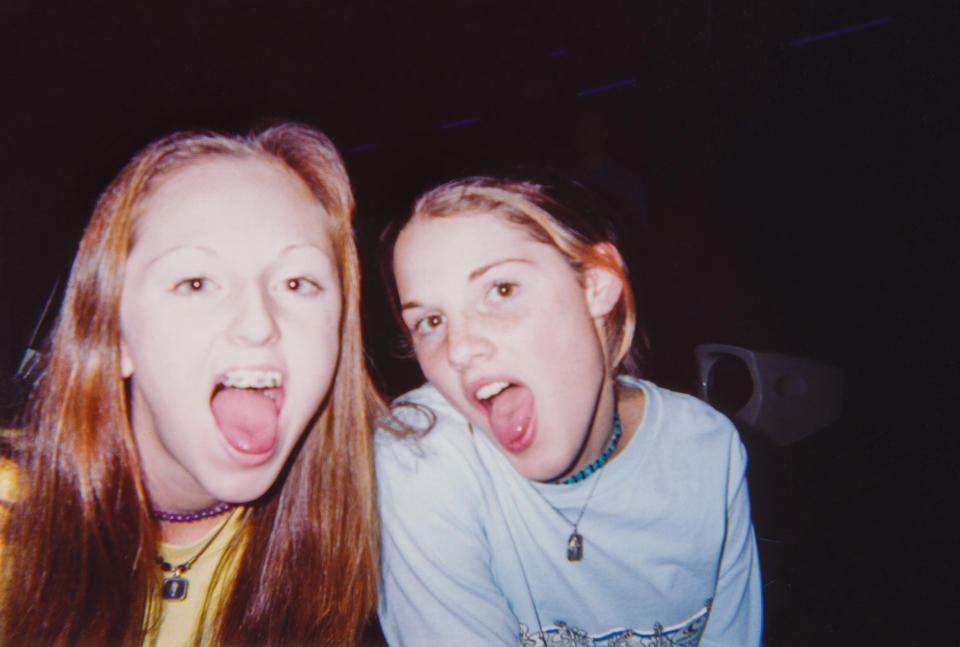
pixel 194 462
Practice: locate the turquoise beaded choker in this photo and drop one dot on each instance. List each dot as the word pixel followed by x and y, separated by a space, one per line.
pixel 597 464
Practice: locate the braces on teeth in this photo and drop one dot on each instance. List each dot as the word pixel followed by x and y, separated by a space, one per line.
pixel 252 379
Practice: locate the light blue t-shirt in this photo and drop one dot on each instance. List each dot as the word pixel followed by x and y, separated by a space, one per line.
pixel 475 554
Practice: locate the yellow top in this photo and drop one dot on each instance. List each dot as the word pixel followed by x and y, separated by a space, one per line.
pixel 180 619
pixel 8 479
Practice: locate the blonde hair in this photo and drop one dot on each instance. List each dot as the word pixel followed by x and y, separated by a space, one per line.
pixel 312 538
pixel 574 232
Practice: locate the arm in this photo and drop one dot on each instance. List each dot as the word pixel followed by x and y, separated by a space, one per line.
pixel 437 587
pixel 736 616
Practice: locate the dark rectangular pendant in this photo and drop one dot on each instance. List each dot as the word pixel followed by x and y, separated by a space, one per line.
pixel 575 547
pixel 174 589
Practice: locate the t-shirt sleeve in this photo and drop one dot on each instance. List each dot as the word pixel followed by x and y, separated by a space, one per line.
pixel 737 611
pixel 437 586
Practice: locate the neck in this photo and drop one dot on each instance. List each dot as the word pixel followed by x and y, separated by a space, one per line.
pixel 631 405
pixel 213 511
pixel 170 486
pixel 628 403
pixel 184 527
pixel 601 430
pixel 181 534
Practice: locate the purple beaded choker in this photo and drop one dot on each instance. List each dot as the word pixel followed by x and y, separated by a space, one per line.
pixel 220 508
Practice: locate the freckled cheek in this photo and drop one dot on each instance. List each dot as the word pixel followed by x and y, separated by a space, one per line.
pixel 429 360
pixel 539 332
pixel 435 365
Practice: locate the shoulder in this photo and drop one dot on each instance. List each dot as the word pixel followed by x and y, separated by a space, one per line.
pixel 422 424
pixel 437 451
pixel 682 429
pixel 681 412
pixel 427 397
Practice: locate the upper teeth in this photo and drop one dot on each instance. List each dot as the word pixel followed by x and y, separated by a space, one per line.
pixel 247 378
pixel 490 390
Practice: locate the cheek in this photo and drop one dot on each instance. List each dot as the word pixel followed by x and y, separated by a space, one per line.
pixel 431 370
pixel 314 347
pixel 126 361
pixel 427 354
pixel 565 329
pixel 571 352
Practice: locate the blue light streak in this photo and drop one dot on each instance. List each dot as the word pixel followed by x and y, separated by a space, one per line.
pixel 838 32
pixel 609 86
pixel 462 122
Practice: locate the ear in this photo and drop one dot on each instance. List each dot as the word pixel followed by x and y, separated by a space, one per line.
pixel 126 362
pixel 604 285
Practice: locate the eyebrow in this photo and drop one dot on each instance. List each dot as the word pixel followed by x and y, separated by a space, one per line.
pixel 474 275
pixel 329 253
pixel 181 248
pixel 211 252
pixel 480 271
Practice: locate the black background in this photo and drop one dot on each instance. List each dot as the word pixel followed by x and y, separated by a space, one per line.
pixel 797 198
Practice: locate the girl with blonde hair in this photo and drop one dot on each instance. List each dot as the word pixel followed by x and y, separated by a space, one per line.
pixel 550 497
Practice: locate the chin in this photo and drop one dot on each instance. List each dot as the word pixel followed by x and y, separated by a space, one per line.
pixel 549 468
pixel 537 472
pixel 242 488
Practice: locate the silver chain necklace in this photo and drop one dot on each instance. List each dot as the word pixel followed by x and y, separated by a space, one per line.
pixel 174 587
pixel 574 544
pixel 575 541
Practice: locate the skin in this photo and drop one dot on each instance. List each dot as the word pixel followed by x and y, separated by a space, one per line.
pixel 484 302
pixel 232 267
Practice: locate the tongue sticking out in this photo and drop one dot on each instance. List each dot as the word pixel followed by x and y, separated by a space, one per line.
pixel 247 418
pixel 510 414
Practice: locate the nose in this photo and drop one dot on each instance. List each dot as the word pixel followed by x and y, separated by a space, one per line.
pixel 254 323
pixel 467 343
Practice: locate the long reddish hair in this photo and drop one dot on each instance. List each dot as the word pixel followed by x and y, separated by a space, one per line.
pixel 79 541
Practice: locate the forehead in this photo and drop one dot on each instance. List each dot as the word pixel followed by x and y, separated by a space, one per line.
pixel 221 198
pixel 429 249
pixel 466 232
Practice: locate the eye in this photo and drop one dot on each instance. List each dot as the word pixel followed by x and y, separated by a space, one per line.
pixel 428 323
pixel 194 285
pixel 503 290
pixel 301 285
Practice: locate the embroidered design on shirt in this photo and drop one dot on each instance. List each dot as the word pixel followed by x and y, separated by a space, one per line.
pixel 684 634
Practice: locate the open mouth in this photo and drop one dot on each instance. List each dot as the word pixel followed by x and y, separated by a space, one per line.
pixel 246 404
pixel 509 408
